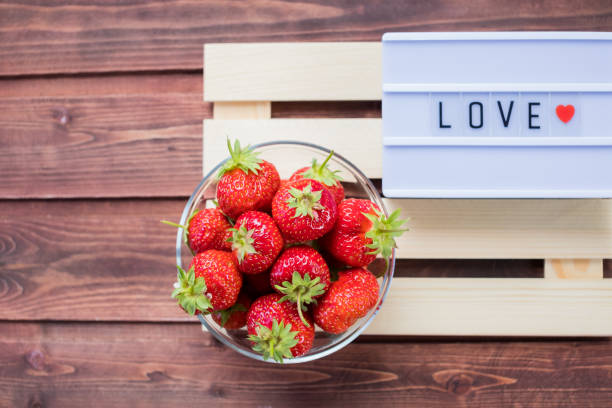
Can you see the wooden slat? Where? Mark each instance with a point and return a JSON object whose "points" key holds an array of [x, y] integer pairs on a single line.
{"points": [[112, 36], [526, 229], [94, 85], [101, 146], [293, 71], [88, 260], [573, 269], [346, 136], [171, 365], [499, 307], [439, 228]]}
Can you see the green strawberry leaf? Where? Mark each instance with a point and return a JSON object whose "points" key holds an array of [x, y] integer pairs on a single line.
{"points": [[301, 291], [190, 292], [242, 241], [383, 232], [305, 201], [244, 159], [322, 173], [275, 342]]}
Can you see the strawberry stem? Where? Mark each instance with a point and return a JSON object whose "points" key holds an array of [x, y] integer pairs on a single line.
{"points": [[301, 291], [173, 224], [329, 156], [299, 308]]}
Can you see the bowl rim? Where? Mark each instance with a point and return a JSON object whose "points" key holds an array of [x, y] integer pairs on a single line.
{"points": [[387, 277]]}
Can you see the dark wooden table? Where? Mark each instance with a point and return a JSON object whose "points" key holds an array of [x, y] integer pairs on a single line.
{"points": [[100, 137]]}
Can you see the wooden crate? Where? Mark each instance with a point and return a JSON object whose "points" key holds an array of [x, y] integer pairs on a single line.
{"points": [[572, 236]]}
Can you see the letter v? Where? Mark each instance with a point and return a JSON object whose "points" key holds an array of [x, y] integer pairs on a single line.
{"points": [[505, 119]]}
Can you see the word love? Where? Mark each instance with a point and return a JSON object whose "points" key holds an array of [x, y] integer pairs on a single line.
{"points": [[506, 112]]}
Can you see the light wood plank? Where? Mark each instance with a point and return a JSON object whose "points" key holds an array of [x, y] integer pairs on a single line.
{"points": [[293, 71], [573, 269], [242, 110], [529, 229], [346, 136], [495, 307]]}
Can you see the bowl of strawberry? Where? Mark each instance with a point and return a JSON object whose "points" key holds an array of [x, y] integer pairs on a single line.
{"points": [[285, 251]]}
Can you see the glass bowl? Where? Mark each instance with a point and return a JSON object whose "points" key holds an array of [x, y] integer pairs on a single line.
{"points": [[288, 157]]}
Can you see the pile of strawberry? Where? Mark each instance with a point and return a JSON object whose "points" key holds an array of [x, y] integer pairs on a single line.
{"points": [[261, 258]]}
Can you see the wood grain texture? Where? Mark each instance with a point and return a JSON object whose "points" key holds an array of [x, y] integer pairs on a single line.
{"points": [[500, 228], [39, 37], [138, 145], [341, 71], [101, 84], [116, 365], [88, 260], [496, 307]]}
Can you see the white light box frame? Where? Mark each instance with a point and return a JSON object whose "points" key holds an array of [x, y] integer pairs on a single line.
{"points": [[497, 115]]}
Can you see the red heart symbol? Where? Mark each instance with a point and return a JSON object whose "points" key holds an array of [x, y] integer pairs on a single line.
{"points": [[565, 113]]}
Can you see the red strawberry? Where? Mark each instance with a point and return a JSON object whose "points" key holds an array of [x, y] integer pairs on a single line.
{"points": [[277, 330], [321, 173], [235, 316], [246, 182], [206, 229], [302, 275], [304, 210], [256, 242], [361, 232], [212, 283], [348, 299]]}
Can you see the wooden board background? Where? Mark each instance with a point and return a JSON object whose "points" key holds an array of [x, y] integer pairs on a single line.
{"points": [[100, 121]]}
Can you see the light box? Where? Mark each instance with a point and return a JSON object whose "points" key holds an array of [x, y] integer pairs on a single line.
{"points": [[512, 114]]}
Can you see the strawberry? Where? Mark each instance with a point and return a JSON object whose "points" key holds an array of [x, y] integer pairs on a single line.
{"points": [[304, 210], [212, 283], [361, 232], [302, 275], [206, 229], [246, 182], [256, 242], [348, 299], [235, 316], [283, 183], [277, 330], [321, 173]]}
